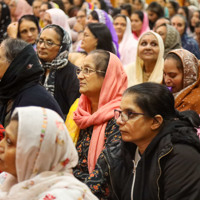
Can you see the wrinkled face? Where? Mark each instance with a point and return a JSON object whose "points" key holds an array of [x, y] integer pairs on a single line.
{"points": [[173, 77], [47, 19], [45, 52], [96, 4], [90, 85], [148, 49], [136, 23], [43, 8], [8, 149], [36, 8], [152, 16], [137, 5], [197, 33], [67, 5], [89, 42], [81, 17], [138, 128], [4, 64], [28, 31], [195, 18], [179, 24], [162, 31], [120, 26], [91, 20]]}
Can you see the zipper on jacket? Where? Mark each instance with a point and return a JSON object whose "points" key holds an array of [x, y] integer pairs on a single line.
{"points": [[110, 176], [161, 170]]}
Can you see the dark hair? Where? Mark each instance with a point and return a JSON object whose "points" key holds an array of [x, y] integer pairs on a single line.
{"points": [[60, 4], [31, 18], [103, 35], [127, 7], [175, 5], [103, 5], [48, 5], [156, 8], [119, 15], [190, 24], [186, 10], [140, 1], [140, 14], [94, 15], [101, 60], [156, 99], [177, 58], [13, 47], [197, 25]]}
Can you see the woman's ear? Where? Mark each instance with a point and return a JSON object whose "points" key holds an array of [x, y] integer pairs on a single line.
{"points": [[157, 122]]}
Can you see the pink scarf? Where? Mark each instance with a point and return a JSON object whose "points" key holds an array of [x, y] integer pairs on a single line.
{"points": [[115, 83]]}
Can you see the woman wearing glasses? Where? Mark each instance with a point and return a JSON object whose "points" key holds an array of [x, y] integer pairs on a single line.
{"points": [[102, 82], [159, 157], [60, 75]]}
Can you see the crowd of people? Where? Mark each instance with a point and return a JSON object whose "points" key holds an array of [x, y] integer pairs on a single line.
{"points": [[99, 99]]}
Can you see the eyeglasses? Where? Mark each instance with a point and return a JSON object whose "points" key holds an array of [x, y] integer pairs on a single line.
{"points": [[125, 115], [87, 71], [47, 43]]}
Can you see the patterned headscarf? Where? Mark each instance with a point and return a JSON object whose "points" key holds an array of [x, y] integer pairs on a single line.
{"points": [[4, 19], [45, 156], [190, 66]]}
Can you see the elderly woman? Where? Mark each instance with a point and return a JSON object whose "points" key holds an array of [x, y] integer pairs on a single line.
{"points": [[170, 36], [102, 82], [28, 29], [181, 74], [159, 157], [188, 43], [59, 79], [20, 75], [149, 60], [40, 156], [127, 44]]}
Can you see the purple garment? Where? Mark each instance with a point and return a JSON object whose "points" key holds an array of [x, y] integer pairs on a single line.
{"points": [[105, 19]]}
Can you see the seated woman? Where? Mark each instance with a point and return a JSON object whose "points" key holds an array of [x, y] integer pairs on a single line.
{"points": [[60, 78], [159, 157], [37, 162], [95, 36], [181, 74], [149, 60], [20, 76], [127, 44], [139, 23], [101, 16], [28, 29], [170, 36], [102, 82], [188, 43]]}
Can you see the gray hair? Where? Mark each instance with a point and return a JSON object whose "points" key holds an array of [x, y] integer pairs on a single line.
{"points": [[13, 47]]}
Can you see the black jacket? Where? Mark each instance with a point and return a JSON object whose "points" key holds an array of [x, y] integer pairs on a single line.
{"points": [[20, 84], [169, 168]]}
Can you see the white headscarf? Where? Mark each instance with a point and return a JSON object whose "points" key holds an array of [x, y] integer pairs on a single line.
{"points": [[135, 70], [128, 45], [45, 156]]}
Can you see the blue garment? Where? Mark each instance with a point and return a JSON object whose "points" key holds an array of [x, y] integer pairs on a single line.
{"points": [[190, 44]]}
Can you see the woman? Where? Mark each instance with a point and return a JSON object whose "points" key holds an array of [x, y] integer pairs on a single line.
{"points": [[139, 23], [173, 7], [102, 82], [58, 17], [28, 29], [170, 36], [127, 44], [18, 8], [20, 80], [154, 11], [101, 16], [40, 156], [181, 73], [188, 43], [194, 19], [149, 60], [59, 79], [159, 157], [44, 6], [4, 19]]}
